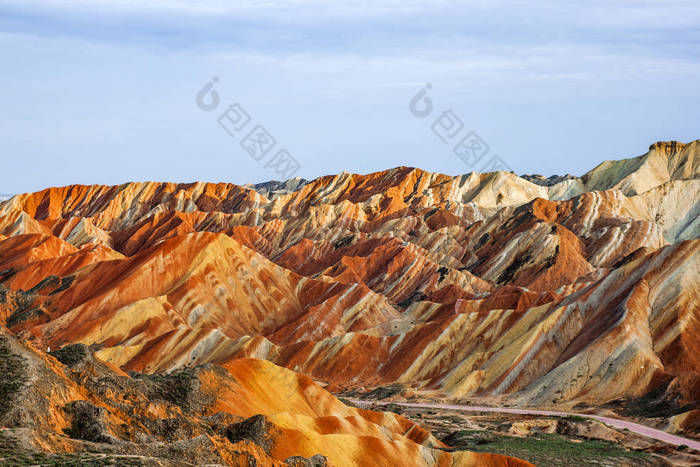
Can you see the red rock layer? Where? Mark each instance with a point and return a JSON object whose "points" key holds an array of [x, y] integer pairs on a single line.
{"points": [[585, 290], [250, 413]]}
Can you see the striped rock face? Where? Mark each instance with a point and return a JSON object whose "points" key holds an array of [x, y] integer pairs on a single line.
{"points": [[251, 412], [550, 291]]}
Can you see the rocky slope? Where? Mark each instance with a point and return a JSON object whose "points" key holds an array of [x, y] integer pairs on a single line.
{"points": [[251, 412], [563, 291]]}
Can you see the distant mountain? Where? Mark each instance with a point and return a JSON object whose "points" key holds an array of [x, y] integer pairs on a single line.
{"points": [[548, 292], [276, 188]]}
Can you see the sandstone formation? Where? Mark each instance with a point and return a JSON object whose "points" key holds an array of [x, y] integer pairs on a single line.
{"points": [[250, 413], [550, 291]]}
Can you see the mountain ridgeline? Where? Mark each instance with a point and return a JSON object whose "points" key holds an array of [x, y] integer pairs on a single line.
{"points": [[544, 291]]}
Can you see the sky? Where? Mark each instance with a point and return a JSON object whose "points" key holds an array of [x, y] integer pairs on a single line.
{"points": [[107, 91]]}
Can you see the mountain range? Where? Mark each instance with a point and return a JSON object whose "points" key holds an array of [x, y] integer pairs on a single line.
{"points": [[562, 292]]}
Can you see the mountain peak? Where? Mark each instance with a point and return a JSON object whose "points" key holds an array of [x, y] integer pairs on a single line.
{"points": [[667, 147]]}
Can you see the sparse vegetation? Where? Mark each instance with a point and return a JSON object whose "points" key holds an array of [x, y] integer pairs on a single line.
{"points": [[383, 392], [482, 240], [70, 355], [314, 461], [65, 283], [347, 402], [416, 296], [660, 402], [6, 274], [87, 422], [21, 316], [177, 388], [256, 429], [549, 450], [345, 241], [21, 304], [575, 418], [509, 273], [395, 408], [14, 375], [49, 281], [13, 455]]}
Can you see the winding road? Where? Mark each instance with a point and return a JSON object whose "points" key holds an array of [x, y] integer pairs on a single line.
{"points": [[614, 422]]}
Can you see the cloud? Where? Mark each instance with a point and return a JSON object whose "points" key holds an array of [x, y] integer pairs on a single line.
{"points": [[91, 82], [381, 26]]}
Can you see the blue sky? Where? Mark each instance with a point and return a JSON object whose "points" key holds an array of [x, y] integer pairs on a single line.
{"points": [[104, 91]]}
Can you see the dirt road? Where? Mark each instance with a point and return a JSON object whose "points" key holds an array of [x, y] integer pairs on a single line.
{"points": [[614, 422]]}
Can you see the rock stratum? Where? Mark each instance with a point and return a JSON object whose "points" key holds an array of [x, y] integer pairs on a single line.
{"points": [[248, 413], [546, 291]]}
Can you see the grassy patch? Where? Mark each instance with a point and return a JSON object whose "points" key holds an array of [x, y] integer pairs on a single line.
{"points": [[549, 450]]}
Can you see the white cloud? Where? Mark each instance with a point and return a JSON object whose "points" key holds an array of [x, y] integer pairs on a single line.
{"points": [[88, 83]]}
